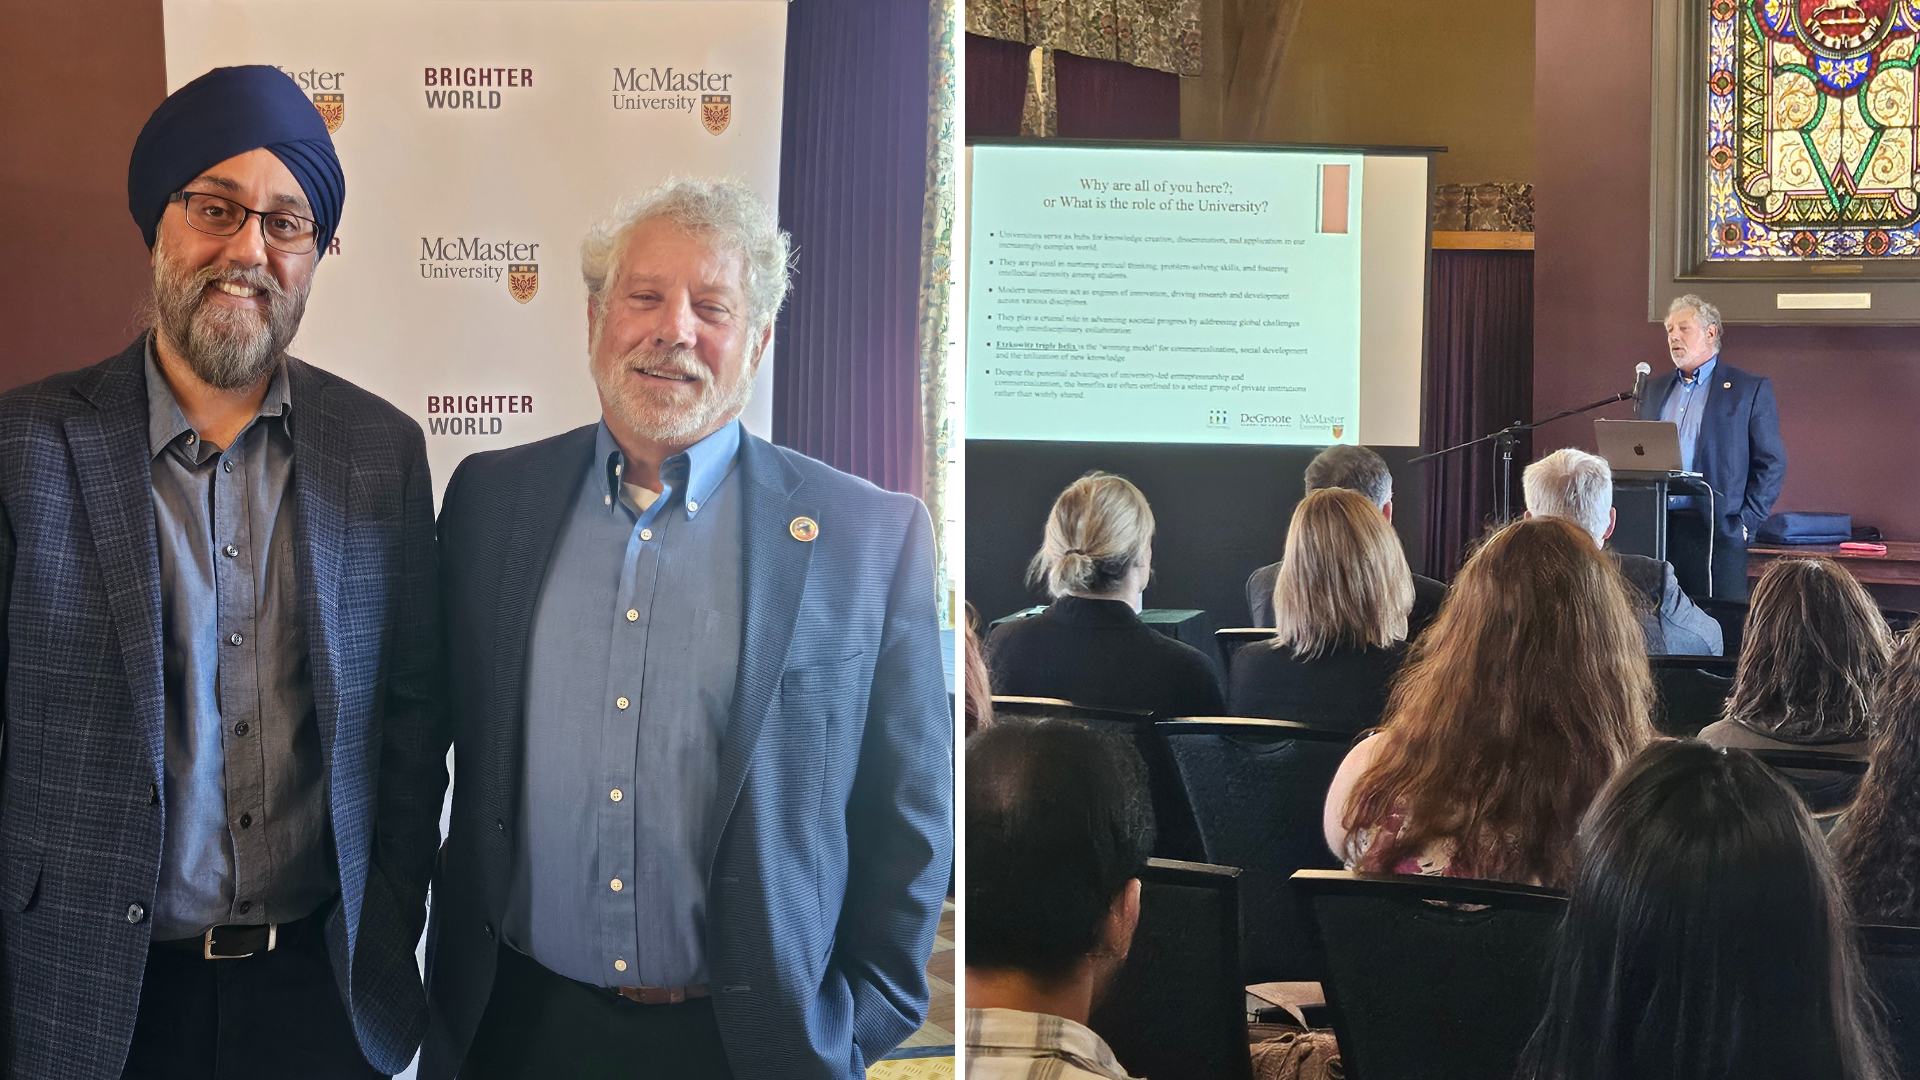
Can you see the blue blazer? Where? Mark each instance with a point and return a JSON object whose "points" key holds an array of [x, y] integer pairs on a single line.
{"points": [[836, 774], [81, 817], [1739, 452]]}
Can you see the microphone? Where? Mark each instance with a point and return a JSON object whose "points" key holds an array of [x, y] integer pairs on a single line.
{"points": [[1640, 373]]}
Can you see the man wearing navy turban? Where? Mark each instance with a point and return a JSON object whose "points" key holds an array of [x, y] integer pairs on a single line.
{"points": [[220, 655]]}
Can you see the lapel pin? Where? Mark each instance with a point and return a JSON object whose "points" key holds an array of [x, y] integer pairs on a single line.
{"points": [[1726, 386], [804, 529]]}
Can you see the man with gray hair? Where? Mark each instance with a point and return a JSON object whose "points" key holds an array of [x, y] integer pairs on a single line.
{"points": [[1730, 434], [1352, 468], [1577, 486], [703, 820]]}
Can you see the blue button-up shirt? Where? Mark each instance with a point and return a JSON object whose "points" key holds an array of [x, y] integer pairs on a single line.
{"points": [[245, 791], [635, 650], [1686, 406]]}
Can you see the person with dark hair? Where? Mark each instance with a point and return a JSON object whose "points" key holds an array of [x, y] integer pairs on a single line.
{"points": [[1527, 693], [1707, 936], [1813, 652], [1059, 827], [1349, 468], [1090, 646], [1876, 845]]}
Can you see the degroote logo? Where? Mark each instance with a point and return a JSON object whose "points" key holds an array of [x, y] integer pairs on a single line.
{"points": [[715, 111], [523, 280]]}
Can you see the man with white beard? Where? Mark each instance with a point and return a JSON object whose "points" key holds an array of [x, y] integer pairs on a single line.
{"points": [[220, 658], [703, 818]]}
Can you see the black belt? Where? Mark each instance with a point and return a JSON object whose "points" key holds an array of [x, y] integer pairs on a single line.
{"points": [[232, 942]]}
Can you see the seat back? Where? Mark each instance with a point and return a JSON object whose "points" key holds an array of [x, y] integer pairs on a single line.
{"points": [[1826, 781], [1258, 789], [1899, 620], [1690, 692], [1177, 1010], [1892, 958], [1430, 976], [1231, 638], [1176, 837], [1732, 617]]}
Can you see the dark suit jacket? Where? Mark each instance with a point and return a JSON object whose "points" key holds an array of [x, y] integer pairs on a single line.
{"points": [[1670, 620], [1345, 689], [1428, 595], [80, 676], [836, 773], [1739, 453], [1098, 652]]}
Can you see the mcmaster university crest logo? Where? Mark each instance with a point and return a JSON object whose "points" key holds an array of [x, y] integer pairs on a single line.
{"points": [[715, 111], [333, 109], [523, 280]]}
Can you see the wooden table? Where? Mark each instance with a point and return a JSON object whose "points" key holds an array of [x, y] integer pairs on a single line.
{"points": [[1899, 566]]}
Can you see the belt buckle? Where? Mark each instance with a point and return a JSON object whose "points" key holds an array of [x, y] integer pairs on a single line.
{"points": [[206, 949]]}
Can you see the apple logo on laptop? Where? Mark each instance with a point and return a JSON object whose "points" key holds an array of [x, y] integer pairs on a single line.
{"points": [[1639, 450]]}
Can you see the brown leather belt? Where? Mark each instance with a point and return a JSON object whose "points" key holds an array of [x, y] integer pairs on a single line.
{"points": [[660, 995]]}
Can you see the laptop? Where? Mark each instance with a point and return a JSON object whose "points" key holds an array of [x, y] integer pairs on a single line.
{"points": [[1639, 445]]}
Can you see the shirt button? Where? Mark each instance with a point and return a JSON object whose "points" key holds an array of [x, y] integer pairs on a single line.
{"points": [[192, 438], [246, 820], [608, 499], [234, 639], [620, 703], [246, 906], [226, 466], [135, 913], [230, 551], [488, 928], [500, 825], [646, 534], [616, 796], [242, 728], [619, 965], [692, 506], [633, 615], [618, 885]]}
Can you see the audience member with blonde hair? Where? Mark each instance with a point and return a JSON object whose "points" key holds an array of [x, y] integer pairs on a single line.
{"points": [[1576, 486], [1811, 659], [1511, 713], [1090, 646], [1340, 605]]}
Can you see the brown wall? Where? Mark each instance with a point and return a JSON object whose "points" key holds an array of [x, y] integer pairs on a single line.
{"points": [[1849, 397], [1457, 74], [77, 80]]}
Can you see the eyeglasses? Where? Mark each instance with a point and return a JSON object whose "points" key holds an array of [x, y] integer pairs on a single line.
{"points": [[217, 216]]}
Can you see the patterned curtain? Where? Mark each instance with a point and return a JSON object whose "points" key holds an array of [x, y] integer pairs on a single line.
{"points": [[1162, 35], [936, 271]]}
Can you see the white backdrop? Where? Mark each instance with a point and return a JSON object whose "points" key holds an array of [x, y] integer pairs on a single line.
{"points": [[480, 138]]}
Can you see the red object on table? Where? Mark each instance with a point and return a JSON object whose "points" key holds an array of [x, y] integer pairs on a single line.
{"points": [[1853, 548]]}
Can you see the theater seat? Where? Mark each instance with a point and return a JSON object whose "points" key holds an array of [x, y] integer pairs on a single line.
{"points": [[1231, 638], [1257, 788], [1690, 692], [1892, 957], [1176, 837], [1825, 781], [1178, 1010], [1431, 977]]}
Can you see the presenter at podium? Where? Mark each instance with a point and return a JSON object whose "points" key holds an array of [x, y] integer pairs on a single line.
{"points": [[1730, 434]]}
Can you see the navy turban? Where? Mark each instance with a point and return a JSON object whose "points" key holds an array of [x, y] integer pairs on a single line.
{"points": [[225, 113]]}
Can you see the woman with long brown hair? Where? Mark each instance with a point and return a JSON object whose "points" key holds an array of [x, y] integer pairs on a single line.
{"points": [[1878, 848], [1811, 656], [1514, 709], [1341, 603]]}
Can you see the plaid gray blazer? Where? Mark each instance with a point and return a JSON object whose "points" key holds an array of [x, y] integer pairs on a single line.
{"points": [[80, 693], [836, 773]]}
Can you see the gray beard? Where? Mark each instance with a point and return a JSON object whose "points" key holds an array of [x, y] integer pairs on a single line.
{"points": [[226, 349], [653, 420]]}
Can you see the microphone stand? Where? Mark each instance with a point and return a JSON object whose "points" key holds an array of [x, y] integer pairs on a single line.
{"points": [[1504, 440]]}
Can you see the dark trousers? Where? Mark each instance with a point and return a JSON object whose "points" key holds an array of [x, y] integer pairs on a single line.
{"points": [[540, 1024], [275, 1014], [1687, 551]]}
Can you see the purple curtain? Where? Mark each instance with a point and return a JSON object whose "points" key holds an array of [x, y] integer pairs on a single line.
{"points": [[853, 166], [1479, 379], [1106, 99], [996, 85]]}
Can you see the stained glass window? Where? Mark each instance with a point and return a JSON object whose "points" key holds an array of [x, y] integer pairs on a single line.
{"points": [[1811, 130]]}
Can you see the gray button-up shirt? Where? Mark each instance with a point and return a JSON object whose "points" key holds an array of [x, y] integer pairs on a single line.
{"points": [[246, 807], [635, 650]]}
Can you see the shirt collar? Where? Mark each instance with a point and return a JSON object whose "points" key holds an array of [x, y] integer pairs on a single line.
{"points": [[1703, 373], [165, 421], [707, 462]]}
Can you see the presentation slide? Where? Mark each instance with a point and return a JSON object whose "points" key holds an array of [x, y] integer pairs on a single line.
{"points": [[1195, 295]]}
